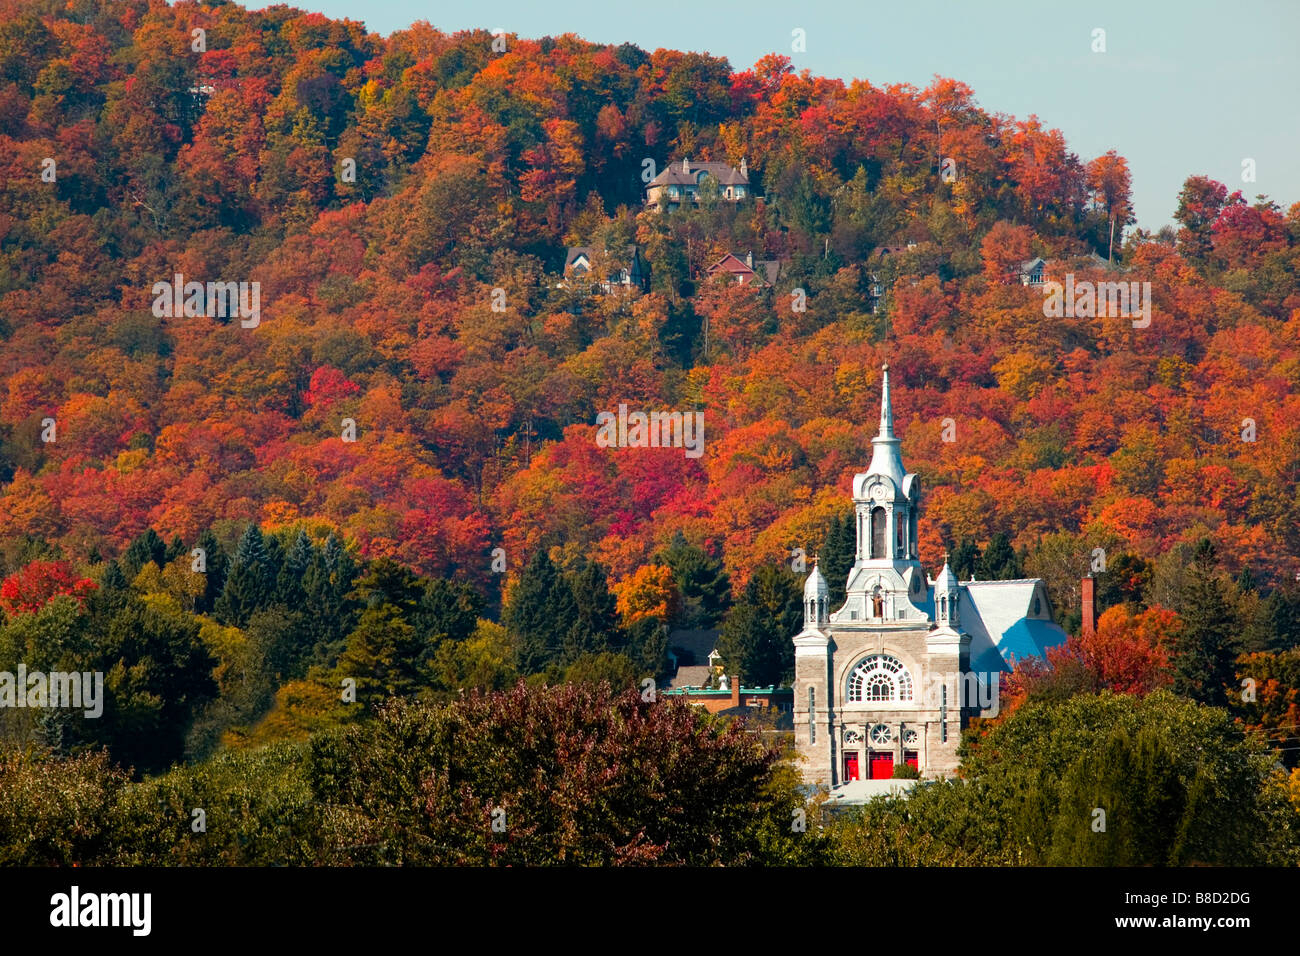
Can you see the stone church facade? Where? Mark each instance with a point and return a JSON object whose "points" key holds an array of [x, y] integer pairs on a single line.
{"points": [[895, 674]]}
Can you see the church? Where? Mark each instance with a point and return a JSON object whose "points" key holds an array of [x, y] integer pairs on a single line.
{"points": [[894, 675]]}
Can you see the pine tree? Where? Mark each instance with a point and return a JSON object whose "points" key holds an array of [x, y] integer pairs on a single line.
{"points": [[289, 583], [756, 638], [145, 548], [704, 584], [174, 550], [838, 556], [964, 559], [385, 581], [1203, 653], [328, 605], [595, 627], [540, 613], [999, 561], [250, 585], [217, 565], [447, 611], [383, 652]]}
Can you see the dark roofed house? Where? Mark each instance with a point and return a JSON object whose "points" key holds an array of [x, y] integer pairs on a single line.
{"points": [[577, 265], [681, 181], [1031, 271], [746, 271]]}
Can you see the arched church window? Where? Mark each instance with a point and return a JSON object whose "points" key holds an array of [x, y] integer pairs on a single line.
{"points": [[878, 548], [1038, 605], [880, 678], [900, 523]]}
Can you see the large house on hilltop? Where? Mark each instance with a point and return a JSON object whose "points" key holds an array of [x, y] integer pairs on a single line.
{"points": [[680, 183], [895, 674]]}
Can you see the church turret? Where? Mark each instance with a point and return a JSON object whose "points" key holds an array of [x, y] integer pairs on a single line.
{"points": [[816, 599], [947, 598]]}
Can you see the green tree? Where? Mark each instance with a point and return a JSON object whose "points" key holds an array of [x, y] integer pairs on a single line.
{"points": [[250, 584], [539, 615], [145, 548], [216, 564], [999, 561], [964, 559], [595, 629], [328, 604], [703, 582], [1202, 654], [157, 674], [838, 556], [1179, 784], [756, 638]]}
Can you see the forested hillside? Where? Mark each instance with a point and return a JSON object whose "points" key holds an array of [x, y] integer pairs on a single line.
{"points": [[422, 384]]}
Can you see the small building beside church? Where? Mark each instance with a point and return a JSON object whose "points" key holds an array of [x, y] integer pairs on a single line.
{"points": [[896, 674]]}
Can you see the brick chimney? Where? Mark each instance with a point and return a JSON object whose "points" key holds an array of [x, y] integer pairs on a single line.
{"points": [[1089, 606], [749, 259], [735, 691], [686, 165]]}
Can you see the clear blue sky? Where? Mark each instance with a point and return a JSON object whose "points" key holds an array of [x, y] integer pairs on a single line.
{"points": [[1183, 88]]}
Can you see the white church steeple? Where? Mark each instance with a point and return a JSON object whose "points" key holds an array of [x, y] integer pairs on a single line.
{"points": [[887, 583]]}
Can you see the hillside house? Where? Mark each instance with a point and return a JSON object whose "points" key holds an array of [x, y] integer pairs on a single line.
{"points": [[747, 271], [680, 183], [634, 274]]}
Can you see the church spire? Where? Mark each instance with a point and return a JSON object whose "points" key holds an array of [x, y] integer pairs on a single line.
{"points": [[885, 456], [886, 410]]}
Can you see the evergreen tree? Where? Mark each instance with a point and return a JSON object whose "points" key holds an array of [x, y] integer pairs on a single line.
{"points": [[383, 653], [756, 638], [595, 627], [385, 581], [274, 563], [447, 611], [837, 557], [103, 603], [964, 559], [1124, 581], [145, 548], [704, 584], [328, 606], [217, 565], [1203, 653], [647, 646], [999, 562], [250, 585], [540, 613], [289, 584], [174, 550]]}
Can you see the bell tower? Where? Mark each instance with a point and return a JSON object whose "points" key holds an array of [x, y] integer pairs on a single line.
{"points": [[887, 583]]}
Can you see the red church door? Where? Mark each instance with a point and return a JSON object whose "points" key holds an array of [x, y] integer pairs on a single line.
{"points": [[909, 758], [882, 766], [851, 766]]}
